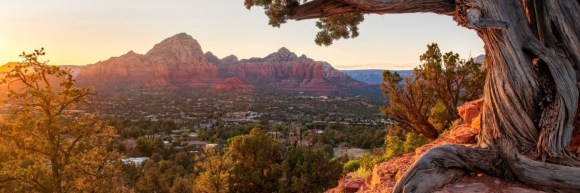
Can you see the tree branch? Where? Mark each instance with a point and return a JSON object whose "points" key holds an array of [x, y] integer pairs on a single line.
{"points": [[325, 8]]}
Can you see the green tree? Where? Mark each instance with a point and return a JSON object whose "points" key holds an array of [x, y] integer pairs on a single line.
{"points": [[442, 79], [256, 162], [304, 170], [45, 145]]}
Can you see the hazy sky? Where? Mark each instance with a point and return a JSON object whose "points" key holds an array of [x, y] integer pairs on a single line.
{"points": [[84, 32]]}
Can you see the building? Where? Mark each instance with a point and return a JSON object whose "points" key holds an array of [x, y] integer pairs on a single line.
{"points": [[134, 160]]}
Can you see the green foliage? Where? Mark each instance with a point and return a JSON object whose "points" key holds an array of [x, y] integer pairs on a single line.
{"points": [[336, 27], [161, 176], [256, 157], [413, 141], [427, 101], [353, 136], [257, 163], [368, 161], [351, 166], [393, 146], [220, 134], [439, 116], [329, 150], [305, 170]]}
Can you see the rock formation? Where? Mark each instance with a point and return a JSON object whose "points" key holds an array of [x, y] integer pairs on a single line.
{"points": [[284, 70], [233, 83], [385, 175], [178, 62]]}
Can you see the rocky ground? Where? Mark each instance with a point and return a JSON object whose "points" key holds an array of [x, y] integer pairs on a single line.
{"points": [[385, 175]]}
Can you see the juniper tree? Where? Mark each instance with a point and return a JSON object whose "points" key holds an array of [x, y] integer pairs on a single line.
{"points": [[530, 95]]}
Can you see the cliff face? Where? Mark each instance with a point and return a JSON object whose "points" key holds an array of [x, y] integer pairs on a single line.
{"points": [[284, 70], [178, 62]]}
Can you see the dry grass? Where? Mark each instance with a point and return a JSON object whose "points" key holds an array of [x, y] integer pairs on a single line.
{"points": [[360, 173]]}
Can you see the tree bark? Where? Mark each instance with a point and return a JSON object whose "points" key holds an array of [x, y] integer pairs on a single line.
{"points": [[325, 8], [530, 96]]}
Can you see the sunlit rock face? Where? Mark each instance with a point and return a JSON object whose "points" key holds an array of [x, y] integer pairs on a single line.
{"points": [[284, 70], [179, 62]]}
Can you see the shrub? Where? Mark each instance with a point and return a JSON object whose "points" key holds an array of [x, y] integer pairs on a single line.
{"points": [[413, 141], [439, 116], [351, 166], [393, 146]]}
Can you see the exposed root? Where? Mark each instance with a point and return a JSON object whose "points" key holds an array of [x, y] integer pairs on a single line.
{"points": [[442, 165], [445, 164], [540, 175]]}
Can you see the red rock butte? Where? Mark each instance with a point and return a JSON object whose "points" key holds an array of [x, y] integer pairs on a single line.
{"points": [[178, 62]]}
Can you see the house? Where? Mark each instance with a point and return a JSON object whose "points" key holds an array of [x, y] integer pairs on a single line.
{"points": [[134, 160]]}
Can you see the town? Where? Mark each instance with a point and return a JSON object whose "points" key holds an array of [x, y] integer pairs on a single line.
{"points": [[192, 121]]}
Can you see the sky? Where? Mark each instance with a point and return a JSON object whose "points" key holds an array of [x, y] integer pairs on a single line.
{"points": [[77, 32]]}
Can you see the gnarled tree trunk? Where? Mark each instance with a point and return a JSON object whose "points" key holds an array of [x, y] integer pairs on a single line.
{"points": [[531, 92]]}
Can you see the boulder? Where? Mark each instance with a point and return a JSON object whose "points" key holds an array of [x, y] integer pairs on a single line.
{"points": [[352, 185], [470, 110], [347, 185], [463, 134]]}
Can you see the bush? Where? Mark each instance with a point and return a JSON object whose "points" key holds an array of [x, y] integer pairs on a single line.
{"points": [[393, 146], [368, 161], [351, 166], [413, 141]]}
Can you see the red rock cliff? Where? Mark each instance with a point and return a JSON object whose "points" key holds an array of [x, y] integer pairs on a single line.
{"points": [[177, 61]]}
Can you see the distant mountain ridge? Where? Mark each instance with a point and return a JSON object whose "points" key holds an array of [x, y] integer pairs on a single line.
{"points": [[178, 62], [373, 76]]}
